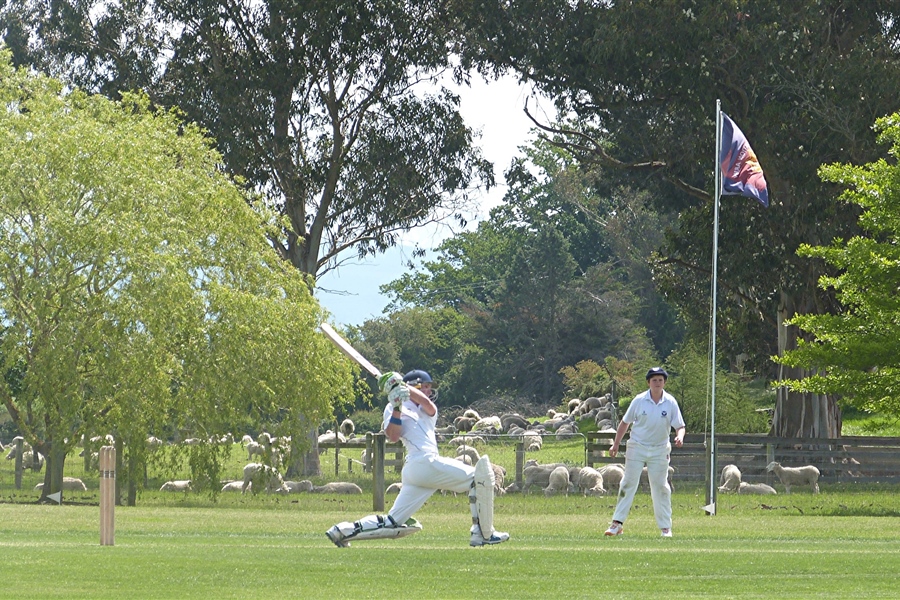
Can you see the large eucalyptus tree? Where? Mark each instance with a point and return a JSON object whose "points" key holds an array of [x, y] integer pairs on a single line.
{"points": [[640, 80]]}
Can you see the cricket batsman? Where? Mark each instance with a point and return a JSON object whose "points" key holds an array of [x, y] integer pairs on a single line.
{"points": [[410, 416]]}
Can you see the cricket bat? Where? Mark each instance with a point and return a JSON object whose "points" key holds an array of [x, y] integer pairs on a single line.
{"points": [[349, 350]]}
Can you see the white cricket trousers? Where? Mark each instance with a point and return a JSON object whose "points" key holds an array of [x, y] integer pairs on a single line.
{"points": [[422, 476], [656, 458]]}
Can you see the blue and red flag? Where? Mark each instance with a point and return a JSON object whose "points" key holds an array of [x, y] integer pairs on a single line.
{"points": [[741, 173]]}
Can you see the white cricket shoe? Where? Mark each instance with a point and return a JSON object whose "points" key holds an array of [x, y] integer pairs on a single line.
{"points": [[614, 529], [666, 532], [334, 534], [498, 537]]}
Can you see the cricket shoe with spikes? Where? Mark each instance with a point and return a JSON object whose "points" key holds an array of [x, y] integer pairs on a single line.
{"points": [[498, 537], [337, 537]]}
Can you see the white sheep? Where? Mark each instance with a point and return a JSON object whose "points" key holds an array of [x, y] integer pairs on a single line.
{"points": [[573, 405], [255, 449], [558, 481], [730, 479], [806, 475], [154, 442], [468, 451], [246, 439], [466, 440], [492, 423], [471, 413], [612, 475], [394, 488], [69, 484], [179, 485], [347, 427], [589, 481], [756, 488], [532, 441], [233, 486], [296, 487], [337, 487], [263, 477], [538, 475]]}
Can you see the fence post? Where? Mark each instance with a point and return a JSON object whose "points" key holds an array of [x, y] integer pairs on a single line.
{"points": [[337, 448], [378, 472], [20, 444], [520, 462], [107, 495]]}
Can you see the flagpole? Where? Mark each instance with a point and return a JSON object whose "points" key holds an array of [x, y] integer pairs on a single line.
{"points": [[711, 494]]}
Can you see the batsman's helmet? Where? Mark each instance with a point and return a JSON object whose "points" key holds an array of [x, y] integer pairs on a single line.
{"points": [[657, 371], [417, 377]]}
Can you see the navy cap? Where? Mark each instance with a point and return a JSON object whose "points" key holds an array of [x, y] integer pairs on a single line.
{"points": [[657, 371]]}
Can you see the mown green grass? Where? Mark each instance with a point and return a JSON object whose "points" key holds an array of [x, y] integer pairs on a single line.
{"points": [[841, 543]]}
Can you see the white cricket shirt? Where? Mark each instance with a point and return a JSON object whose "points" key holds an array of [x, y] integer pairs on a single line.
{"points": [[416, 429], [651, 422]]}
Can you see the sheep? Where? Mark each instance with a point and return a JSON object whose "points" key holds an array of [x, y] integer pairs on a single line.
{"points": [[466, 440], [612, 474], [296, 487], [806, 475], [255, 449], [69, 484], [566, 431], [755, 488], [730, 480], [538, 475], [337, 487], [589, 481], [487, 424], [265, 439], [468, 451], [191, 442], [246, 439], [509, 419], [347, 428], [532, 441], [233, 486], [463, 423], [558, 481], [573, 405], [179, 485], [154, 442], [499, 476], [394, 488], [329, 437], [471, 413], [263, 476]]}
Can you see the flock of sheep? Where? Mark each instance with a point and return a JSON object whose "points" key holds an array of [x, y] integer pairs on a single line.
{"points": [[730, 479], [463, 437]]}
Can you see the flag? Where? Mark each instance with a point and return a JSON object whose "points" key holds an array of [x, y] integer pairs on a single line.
{"points": [[741, 173]]}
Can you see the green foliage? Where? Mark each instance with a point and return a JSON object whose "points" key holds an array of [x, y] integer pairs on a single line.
{"points": [[310, 103], [854, 353], [737, 399], [139, 293]]}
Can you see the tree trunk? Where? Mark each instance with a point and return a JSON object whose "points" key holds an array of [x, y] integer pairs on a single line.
{"points": [[800, 414], [55, 459]]}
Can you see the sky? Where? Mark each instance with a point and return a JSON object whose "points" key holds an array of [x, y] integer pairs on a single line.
{"points": [[351, 292]]}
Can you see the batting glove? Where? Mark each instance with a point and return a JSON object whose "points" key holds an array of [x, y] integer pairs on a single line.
{"points": [[389, 381], [398, 396]]}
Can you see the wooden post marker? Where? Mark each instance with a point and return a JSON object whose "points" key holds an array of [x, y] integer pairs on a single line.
{"points": [[107, 495]]}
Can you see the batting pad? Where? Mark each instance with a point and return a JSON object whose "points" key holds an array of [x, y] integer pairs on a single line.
{"points": [[484, 495], [382, 533]]}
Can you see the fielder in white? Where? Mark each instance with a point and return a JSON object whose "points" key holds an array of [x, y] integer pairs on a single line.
{"points": [[410, 416], [651, 415]]}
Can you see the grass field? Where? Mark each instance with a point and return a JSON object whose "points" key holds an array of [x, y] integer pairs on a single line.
{"points": [[842, 543], [798, 546]]}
